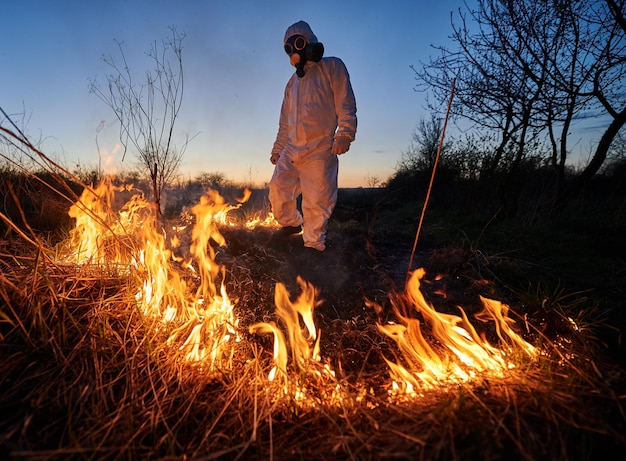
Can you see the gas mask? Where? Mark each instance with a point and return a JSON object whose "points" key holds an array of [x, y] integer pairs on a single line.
{"points": [[299, 52]]}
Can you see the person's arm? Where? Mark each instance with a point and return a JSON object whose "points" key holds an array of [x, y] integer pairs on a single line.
{"points": [[283, 130], [345, 107]]}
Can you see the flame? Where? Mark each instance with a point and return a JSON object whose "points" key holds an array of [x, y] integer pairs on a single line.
{"points": [[97, 235], [185, 297], [224, 217], [280, 348], [304, 341], [304, 344], [201, 320], [256, 221], [461, 353]]}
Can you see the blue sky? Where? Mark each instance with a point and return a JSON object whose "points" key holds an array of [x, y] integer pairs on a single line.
{"points": [[235, 74]]}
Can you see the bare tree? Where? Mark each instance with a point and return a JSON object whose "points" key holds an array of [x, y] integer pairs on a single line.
{"points": [[528, 69], [373, 181], [148, 110], [424, 145]]}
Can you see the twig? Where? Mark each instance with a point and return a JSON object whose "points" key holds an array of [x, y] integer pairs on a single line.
{"points": [[432, 178]]}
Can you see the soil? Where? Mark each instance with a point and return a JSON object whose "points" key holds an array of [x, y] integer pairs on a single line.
{"points": [[357, 278]]}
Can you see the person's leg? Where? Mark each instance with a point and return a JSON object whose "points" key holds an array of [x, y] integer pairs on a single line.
{"points": [[284, 189], [319, 196]]}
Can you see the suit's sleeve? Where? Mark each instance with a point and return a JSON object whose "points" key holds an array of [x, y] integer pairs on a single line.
{"points": [[345, 102], [283, 125]]}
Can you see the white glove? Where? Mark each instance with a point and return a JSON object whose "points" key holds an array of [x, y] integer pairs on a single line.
{"points": [[341, 145]]}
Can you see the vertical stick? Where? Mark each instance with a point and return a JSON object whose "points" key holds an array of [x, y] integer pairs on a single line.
{"points": [[432, 178]]}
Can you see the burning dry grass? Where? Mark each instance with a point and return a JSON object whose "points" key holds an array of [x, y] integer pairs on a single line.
{"points": [[231, 351]]}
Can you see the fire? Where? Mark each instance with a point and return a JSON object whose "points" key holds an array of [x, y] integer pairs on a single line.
{"points": [[304, 344], [184, 296], [98, 237], [224, 217], [304, 340], [461, 354], [188, 300]]}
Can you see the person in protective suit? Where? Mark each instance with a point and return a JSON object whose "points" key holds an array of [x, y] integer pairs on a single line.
{"points": [[317, 123]]}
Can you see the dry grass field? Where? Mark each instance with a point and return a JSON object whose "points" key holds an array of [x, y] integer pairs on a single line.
{"points": [[200, 339]]}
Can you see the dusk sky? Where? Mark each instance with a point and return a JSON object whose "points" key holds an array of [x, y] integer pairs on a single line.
{"points": [[235, 73]]}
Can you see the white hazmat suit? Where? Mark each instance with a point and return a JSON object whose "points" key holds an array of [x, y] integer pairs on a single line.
{"points": [[317, 108]]}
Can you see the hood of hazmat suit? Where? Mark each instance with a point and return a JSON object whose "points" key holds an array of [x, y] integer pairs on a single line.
{"points": [[309, 49], [300, 28]]}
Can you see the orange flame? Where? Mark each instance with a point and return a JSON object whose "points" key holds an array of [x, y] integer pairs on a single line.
{"points": [[304, 343], [96, 237], [202, 322], [224, 218], [184, 298], [462, 353]]}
